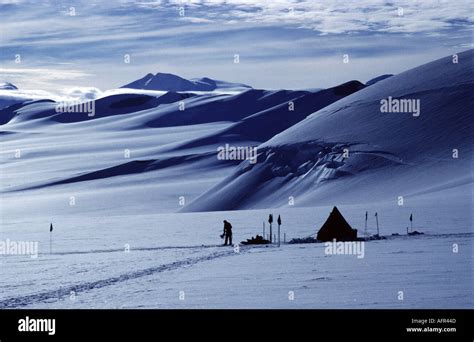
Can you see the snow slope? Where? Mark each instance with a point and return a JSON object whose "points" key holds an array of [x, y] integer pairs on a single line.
{"points": [[378, 79], [346, 152], [264, 124], [86, 156]]}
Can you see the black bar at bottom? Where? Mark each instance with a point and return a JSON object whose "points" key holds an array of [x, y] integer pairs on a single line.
{"points": [[442, 325]]}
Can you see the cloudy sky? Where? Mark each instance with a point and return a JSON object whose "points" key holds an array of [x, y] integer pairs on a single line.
{"points": [[281, 44]]}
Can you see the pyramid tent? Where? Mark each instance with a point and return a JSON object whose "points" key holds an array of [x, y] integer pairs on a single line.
{"points": [[336, 227]]}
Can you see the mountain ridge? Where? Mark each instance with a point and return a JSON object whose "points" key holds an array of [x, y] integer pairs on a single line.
{"points": [[170, 82]]}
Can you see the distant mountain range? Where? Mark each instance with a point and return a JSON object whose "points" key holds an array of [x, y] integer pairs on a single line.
{"points": [[170, 82], [7, 86], [334, 145]]}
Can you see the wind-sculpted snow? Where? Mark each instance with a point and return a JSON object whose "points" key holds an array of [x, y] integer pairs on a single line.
{"points": [[125, 169], [351, 149], [290, 170], [168, 110], [264, 124], [103, 107], [214, 108]]}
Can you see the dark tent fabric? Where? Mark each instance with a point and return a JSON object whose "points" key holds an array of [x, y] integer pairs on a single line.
{"points": [[336, 227]]}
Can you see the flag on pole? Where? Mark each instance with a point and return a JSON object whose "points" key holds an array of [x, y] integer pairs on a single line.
{"points": [[411, 217], [279, 223], [51, 238], [270, 220], [366, 213], [376, 214]]}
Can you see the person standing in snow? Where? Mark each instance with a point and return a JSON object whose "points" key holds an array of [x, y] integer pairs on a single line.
{"points": [[227, 233]]}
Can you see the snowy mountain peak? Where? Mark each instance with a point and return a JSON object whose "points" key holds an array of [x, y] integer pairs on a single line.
{"points": [[170, 82], [7, 86], [167, 78]]}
